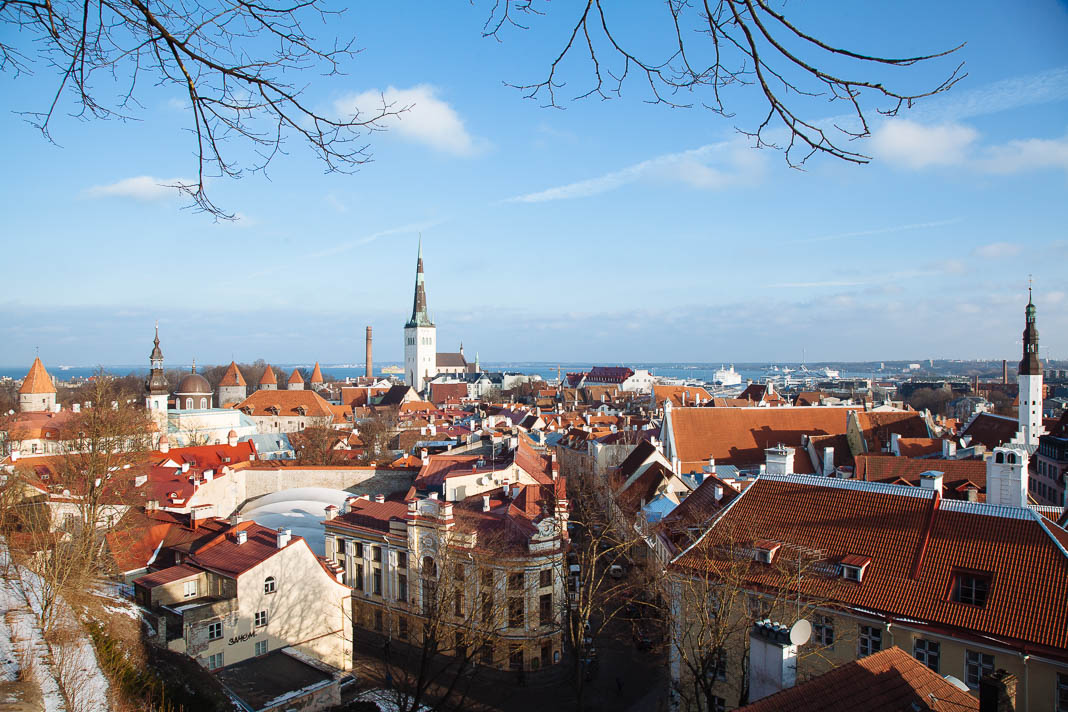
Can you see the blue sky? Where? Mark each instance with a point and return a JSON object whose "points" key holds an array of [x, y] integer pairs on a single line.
{"points": [[607, 231]]}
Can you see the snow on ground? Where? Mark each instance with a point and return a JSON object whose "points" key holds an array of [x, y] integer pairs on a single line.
{"points": [[299, 509], [86, 679]]}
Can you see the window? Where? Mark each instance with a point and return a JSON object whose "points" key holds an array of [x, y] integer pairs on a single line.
{"points": [[376, 554], [269, 585], [718, 704], [975, 666], [215, 630], [402, 628], [485, 654], [870, 641], [261, 647], [758, 607], [215, 661], [851, 573], [487, 577], [378, 620], [189, 404], [1062, 692], [357, 549], [458, 604], [261, 618], [376, 582], [339, 548], [203, 403], [402, 560], [357, 576], [487, 608], [823, 631], [545, 609], [189, 589], [545, 578], [515, 612], [515, 581], [971, 589], [926, 651], [402, 587], [515, 657]]}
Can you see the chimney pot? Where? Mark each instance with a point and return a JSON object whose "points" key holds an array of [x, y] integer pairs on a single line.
{"points": [[242, 537], [284, 535]]}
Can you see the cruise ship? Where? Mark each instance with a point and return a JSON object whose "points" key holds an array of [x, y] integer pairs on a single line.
{"points": [[727, 377]]}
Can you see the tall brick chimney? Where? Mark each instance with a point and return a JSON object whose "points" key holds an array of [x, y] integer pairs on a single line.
{"points": [[370, 370], [1004, 371]]}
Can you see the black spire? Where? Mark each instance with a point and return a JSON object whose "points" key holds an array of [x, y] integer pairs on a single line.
{"points": [[420, 316], [157, 382], [1030, 365]]}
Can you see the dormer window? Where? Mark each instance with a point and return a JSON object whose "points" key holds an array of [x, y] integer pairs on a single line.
{"points": [[764, 551], [971, 588], [853, 567]]}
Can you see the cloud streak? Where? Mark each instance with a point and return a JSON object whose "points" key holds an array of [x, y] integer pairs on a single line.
{"points": [[880, 231], [145, 189], [710, 167]]}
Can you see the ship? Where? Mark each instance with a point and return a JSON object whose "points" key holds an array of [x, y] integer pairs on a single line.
{"points": [[727, 377], [393, 370]]}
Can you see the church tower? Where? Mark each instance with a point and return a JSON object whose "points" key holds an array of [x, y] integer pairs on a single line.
{"points": [[420, 336], [1029, 379], [156, 389]]}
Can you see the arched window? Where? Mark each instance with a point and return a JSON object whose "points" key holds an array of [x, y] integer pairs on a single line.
{"points": [[430, 567], [1012, 458], [203, 402], [999, 458], [189, 404], [269, 585]]}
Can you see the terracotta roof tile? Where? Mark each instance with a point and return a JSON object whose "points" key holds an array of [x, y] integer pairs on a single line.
{"points": [[917, 544], [288, 403], [889, 681], [296, 377], [956, 474], [37, 380], [268, 378], [233, 376], [168, 575], [317, 374], [680, 395]]}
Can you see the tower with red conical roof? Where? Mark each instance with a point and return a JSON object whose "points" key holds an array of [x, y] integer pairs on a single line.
{"points": [[37, 394]]}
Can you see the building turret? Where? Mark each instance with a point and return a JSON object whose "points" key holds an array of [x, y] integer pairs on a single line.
{"points": [[156, 384], [232, 388], [296, 381], [37, 394], [1029, 380], [268, 382], [316, 377], [420, 335]]}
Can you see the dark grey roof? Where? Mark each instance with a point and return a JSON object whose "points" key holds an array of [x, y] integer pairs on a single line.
{"points": [[451, 360]]}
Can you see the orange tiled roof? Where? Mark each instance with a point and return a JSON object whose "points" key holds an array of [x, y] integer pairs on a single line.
{"points": [[888, 680], [680, 395], [887, 468], [739, 436], [296, 377], [233, 376], [317, 375], [37, 380], [287, 403], [268, 377], [916, 447], [917, 542]]}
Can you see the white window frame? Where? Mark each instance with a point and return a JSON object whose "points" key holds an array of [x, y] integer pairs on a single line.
{"points": [[973, 659], [869, 639], [215, 630], [215, 661], [922, 651], [189, 589], [261, 618], [270, 585], [261, 647]]}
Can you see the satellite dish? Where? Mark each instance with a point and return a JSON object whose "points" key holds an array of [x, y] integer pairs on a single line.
{"points": [[800, 632], [956, 682]]}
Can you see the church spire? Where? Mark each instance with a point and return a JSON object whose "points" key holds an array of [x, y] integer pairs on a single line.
{"points": [[1029, 364], [420, 315], [156, 384]]}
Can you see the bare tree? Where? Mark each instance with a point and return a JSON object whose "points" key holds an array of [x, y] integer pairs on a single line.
{"points": [[315, 445], [375, 432], [702, 50], [715, 608], [233, 63]]}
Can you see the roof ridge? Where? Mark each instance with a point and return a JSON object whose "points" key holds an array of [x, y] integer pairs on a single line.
{"points": [[1042, 523], [857, 485], [711, 525]]}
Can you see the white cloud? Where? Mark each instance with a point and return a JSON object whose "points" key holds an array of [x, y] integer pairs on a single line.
{"points": [[709, 167], [998, 250], [881, 230], [914, 145], [1026, 154], [426, 119], [142, 188]]}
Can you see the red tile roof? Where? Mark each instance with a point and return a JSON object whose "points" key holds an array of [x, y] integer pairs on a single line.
{"points": [[224, 555], [956, 474], [317, 374], [916, 447], [739, 436], [441, 392], [917, 543], [296, 377], [890, 681], [233, 376], [287, 403], [991, 430], [168, 575], [268, 377], [680, 395], [37, 380]]}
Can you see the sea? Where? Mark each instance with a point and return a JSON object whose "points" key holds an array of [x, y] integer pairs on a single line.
{"points": [[546, 370]]}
